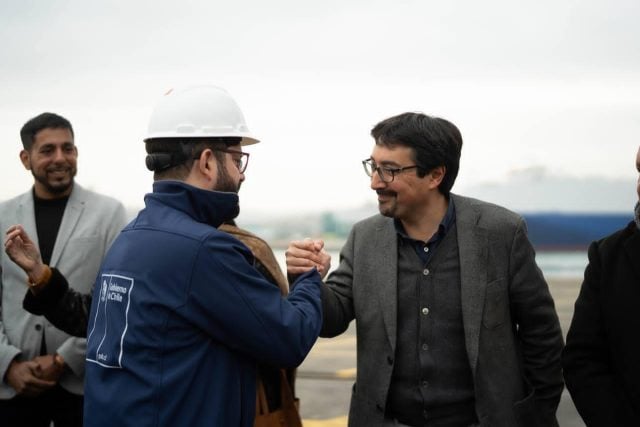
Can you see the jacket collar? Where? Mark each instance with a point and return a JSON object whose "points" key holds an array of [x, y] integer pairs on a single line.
{"points": [[473, 246], [209, 207]]}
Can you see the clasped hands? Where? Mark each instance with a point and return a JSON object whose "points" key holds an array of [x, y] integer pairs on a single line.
{"points": [[32, 377], [303, 255]]}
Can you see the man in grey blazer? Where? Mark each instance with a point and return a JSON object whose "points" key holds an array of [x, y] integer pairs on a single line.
{"points": [[42, 367], [455, 322]]}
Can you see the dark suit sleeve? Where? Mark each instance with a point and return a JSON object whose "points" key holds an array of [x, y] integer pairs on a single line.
{"points": [[538, 327], [67, 309], [337, 293], [586, 359]]}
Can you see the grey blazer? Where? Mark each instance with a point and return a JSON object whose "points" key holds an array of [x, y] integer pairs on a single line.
{"points": [[89, 225], [512, 333]]}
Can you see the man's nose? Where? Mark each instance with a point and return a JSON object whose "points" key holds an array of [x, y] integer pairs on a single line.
{"points": [[58, 155], [376, 182]]}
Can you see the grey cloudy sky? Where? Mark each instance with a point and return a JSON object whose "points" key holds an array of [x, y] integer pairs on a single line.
{"points": [[549, 85]]}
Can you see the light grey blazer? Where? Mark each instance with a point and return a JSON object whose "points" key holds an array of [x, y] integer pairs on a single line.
{"points": [[89, 225], [512, 333]]}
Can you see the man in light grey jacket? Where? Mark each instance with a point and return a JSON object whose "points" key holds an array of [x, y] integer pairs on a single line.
{"points": [[455, 323], [42, 367]]}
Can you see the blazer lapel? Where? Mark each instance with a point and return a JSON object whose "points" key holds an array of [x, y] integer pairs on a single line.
{"points": [[385, 254], [632, 248], [72, 213], [472, 244], [25, 215]]}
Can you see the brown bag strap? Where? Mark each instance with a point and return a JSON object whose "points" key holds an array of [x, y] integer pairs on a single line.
{"points": [[262, 252], [289, 404], [262, 407], [286, 395]]}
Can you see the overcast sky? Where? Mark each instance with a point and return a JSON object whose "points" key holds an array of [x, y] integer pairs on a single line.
{"points": [[549, 86]]}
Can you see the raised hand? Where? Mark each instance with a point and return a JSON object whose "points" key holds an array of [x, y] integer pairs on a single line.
{"points": [[23, 251]]}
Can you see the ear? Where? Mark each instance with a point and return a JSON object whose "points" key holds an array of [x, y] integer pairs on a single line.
{"points": [[206, 165], [436, 175], [24, 158], [204, 172]]}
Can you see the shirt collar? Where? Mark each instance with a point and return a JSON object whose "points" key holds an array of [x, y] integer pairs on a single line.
{"points": [[443, 228]]}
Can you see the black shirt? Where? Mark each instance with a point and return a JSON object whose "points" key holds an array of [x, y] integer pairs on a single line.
{"points": [[49, 214]]}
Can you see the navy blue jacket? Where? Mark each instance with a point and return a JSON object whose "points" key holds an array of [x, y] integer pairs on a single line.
{"points": [[180, 318]]}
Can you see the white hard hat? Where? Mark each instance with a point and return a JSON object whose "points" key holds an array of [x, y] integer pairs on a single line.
{"points": [[198, 112]]}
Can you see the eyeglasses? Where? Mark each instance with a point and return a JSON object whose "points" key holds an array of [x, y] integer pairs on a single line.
{"points": [[386, 174], [241, 163]]}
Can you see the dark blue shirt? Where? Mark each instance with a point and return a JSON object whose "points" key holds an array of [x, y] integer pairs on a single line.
{"points": [[426, 250]]}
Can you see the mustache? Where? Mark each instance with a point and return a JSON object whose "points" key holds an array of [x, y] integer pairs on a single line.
{"points": [[386, 193]]}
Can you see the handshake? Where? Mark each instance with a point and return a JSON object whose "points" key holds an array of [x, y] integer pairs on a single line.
{"points": [[303, 255]]}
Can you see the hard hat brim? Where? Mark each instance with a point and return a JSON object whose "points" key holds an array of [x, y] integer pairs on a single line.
{"points": [[246, 138]]}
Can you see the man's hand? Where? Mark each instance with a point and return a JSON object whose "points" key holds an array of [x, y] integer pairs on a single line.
{"points": [[51, 367], [303, 255], [24, 252], [23, 377]]}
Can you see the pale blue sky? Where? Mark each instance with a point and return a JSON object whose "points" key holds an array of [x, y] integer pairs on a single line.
{"points": [[549, 85]]}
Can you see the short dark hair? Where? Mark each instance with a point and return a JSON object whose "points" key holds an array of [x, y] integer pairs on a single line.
{"points": [[435, 142], [40, 122], [171, 158]]}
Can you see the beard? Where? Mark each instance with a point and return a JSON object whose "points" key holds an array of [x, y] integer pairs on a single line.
{"points": [[55, 186], [225, 182]]}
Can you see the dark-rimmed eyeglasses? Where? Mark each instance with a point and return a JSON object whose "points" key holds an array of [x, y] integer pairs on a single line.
{"points": [[385, 173], [241, 162]]}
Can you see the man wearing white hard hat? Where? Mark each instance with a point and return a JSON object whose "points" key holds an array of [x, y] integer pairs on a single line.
{"points": [[180, 317]]}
